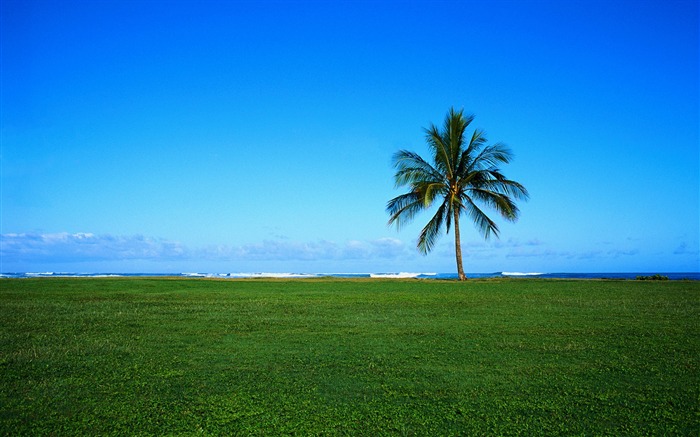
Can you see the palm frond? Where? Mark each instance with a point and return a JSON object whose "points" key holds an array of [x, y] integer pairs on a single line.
{"points": [[412, 168], [469, 153], [500, 184], [431, 232], [453, 134], [439, 149], [500, 202], [476, 142], [402, 209], [492, 179], [483, 223], [490, 157], [431, 190]]}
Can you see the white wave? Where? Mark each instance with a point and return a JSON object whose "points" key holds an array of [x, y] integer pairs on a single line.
{"points": [[271, 275], [521, 273], [199, 275], [400, 275], [288, 275], [40, 274]]}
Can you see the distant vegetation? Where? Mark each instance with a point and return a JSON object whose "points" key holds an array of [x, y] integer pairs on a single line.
{"points": [[462, 175], [143, 356], [656, 277]]}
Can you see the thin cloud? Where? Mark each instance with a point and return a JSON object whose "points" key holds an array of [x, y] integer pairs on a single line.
{"points": [[286, 250], [622, 252], [685, 249], [64, 246], [386, 248], [546, 253], [512, 247], [82, 247], [310, 251]]}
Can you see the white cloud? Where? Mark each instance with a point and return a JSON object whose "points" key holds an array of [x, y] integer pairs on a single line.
{"points": [[388, 247], [82, 247]]}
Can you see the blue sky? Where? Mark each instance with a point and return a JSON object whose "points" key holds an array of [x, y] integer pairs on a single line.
{"points": [[239, 136]]}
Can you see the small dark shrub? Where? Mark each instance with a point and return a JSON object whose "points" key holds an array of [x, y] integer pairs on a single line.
{"points": [[655, 277]]}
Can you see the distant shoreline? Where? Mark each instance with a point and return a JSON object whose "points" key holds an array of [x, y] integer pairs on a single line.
{"points": [[383, 275]]}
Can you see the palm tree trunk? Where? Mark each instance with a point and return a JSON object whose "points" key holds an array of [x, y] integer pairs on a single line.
{"points": [[458, 248]]}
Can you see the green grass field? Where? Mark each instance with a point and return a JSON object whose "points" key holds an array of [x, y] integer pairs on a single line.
{"points": [[142, 356]]}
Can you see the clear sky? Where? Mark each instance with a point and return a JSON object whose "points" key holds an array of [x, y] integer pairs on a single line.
{"points": [[239, 136]]}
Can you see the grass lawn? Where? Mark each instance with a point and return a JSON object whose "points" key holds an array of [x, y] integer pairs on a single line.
{"points": [[349, 357]]}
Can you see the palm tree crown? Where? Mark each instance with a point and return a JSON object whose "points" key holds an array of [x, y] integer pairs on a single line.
{"points": [[463, 175]]}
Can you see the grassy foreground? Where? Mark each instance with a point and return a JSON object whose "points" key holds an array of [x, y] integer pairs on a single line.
{"points": [[347, 357]]}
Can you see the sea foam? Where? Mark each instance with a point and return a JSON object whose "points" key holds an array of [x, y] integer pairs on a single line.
{"points": [[521, 274], [271, 275], [400, 275]]}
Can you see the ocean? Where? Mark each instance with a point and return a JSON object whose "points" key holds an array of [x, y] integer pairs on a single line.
{"points": [[418, 275]]}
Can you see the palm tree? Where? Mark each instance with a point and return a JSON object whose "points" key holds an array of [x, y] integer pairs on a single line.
{"points": [[463, 174]]}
